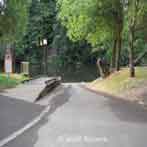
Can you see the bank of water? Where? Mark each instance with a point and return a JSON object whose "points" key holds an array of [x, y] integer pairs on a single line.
{"points": [[68, 74]]}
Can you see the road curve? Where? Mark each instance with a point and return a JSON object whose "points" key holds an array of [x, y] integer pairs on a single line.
{"points": [[80, 118]]}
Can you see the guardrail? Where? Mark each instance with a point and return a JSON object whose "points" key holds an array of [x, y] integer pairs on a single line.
{"points": [[51, 84]]}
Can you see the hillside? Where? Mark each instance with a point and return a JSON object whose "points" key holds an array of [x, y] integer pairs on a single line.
{"points": [[121, 85]]}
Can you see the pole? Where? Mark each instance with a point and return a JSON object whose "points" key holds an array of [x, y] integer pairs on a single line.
{"points": [[44, 71], [45, 60]]}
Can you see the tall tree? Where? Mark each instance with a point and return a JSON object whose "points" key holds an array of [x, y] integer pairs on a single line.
{"points": [[95, 21], [137, 12], [40, 22], [13, 19], [118, 16], [40, 26]]}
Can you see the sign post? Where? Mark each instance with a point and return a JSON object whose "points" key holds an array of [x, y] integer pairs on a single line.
{"points": [[8, 62]]}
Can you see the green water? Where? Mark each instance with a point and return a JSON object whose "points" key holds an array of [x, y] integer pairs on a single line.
{"points": [[80, 74]]}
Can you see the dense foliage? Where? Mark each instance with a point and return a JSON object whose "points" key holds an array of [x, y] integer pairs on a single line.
{"points": [[101, 20], [13, 19], [43, 24], [80, 31]]}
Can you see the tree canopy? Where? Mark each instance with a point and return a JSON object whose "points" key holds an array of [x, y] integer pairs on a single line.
{"points": [[90, 20], [13, 18], [77, 29]]}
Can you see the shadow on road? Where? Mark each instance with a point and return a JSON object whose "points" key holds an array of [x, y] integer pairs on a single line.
{"points": [[128, 111], [60, 99], [30, 137]]}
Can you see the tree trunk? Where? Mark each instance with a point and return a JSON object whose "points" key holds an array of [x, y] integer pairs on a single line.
{"points": [[131, 37], [101, 71], [103, 67], [45, 60], [119, 45], [113, 58], [13, 55], [131, 54]]}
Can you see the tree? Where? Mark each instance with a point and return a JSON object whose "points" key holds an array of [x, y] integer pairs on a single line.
{"points": [[13, 19], [40, 22], [40, 26], [69, 52], [95, 21], [137, 12], [118, 17]]}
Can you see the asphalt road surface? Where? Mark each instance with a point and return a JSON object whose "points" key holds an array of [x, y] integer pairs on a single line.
{"points": [[15, 114], [80, 118]]}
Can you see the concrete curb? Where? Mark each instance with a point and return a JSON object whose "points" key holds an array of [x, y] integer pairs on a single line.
{"points": [[99, 92], [25, 128], [31, 79], [111, 96]]}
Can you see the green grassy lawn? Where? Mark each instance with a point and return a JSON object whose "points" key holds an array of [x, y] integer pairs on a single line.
{"points": [[12, 81], [120, 83]]}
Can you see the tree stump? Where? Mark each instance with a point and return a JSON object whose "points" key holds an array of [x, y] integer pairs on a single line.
{"points": [[103, 68]]}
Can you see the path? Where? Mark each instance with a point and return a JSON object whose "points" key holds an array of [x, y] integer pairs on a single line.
{"points": [[28, 91], [15, 114], [80, 118]]}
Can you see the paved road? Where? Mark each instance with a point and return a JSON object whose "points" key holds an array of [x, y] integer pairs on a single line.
{"points": [[80, 118], [14, 114], [28, 91]]}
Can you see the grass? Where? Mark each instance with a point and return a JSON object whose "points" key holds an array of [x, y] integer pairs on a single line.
{"points": [[12, 81], [120, 82]]}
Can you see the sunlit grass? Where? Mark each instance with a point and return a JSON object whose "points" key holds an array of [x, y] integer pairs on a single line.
{"points": [[120, 81], [11, 81]]}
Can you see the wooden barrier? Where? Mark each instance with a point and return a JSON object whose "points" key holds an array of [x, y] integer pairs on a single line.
{"points": [[50, 86]]}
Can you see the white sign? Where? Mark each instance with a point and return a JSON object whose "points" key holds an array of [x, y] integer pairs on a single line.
{"points": [[8, 63]]}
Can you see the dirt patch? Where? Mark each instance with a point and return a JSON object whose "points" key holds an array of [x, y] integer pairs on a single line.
{"points": [[138, 93], [120, 85]]}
